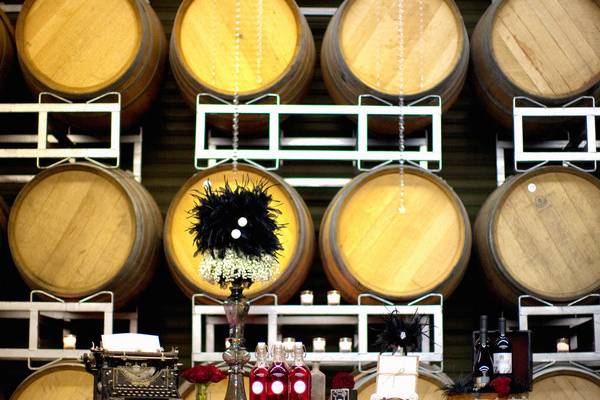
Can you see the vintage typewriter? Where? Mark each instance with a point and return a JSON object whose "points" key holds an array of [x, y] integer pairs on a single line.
{"points": [[133, 375]]}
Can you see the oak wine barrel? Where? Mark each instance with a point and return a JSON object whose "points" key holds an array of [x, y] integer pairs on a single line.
{"points": [[545, 50], [81, 49], [537, 234], [7, 51], [187, 391], [364, 237], [77, 229], [62, 381], [277, 54], [297, 235], [429, 385], [361, 49], [565, 382]]}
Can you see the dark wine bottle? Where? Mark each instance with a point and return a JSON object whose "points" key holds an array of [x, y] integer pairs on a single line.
{"points": [[483, 368], [502, 351]]}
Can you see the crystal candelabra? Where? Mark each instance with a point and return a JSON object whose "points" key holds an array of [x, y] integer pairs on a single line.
{"points": [[236, 309]]}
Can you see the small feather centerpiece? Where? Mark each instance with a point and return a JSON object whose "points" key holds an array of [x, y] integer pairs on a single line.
{"points": [[235, 229]]}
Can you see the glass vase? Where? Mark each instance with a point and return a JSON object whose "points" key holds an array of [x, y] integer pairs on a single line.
{"points": [[202, 391], [236, 310]]}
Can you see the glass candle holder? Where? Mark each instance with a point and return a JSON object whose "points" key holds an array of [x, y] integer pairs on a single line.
{"points": [[307, 298], [345, 345], [562, 345], [288, 344], [319, 344], [69, 342], [333, 298]]}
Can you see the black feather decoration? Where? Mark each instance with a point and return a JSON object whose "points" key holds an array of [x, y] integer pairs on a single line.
{"points": [[245, 208], [400, 332]]}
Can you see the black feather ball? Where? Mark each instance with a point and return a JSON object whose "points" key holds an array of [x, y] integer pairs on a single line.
{"points": [[400, 332], [240, 218]]}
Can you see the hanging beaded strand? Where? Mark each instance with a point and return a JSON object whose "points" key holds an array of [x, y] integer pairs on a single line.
{"points": [[236, 85], [401, 125]]}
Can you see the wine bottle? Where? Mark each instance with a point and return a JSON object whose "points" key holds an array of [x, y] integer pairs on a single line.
{"points": [[259, 374], [483, 367], [277, 379], [299, 375], [317, 383], [502, 352]]}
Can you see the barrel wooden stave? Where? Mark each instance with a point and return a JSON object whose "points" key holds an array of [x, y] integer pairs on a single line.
{"points": [[77, 229], [361, 238], [297, 236], [7, 51], [345, 83], [565, 382], [554, 257], [429, 385], [4, 211], [137, 69], [520, 50], [63, 381], [291, 82]]}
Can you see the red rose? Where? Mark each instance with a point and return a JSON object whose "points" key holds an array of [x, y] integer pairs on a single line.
{"points": [[202, 374], [343, 380], [501, 386], [217, 375]]}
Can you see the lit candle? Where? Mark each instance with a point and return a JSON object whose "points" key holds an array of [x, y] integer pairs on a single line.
{"points": [[319, 344], [288, 344], [345, 344], [333, 297], [562, 345], [306, 298], [69, 342]]}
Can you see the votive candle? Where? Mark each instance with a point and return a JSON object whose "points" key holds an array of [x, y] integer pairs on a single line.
{"points": [[306, 298], [333, 298]]}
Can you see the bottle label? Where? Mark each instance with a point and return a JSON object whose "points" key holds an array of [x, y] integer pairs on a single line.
{"points": [[299, 387], [277, 387], [257, 387], [503, 363]]}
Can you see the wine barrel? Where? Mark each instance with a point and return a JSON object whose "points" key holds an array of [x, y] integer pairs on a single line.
{"points": [[545, 50], [365, 237], [429, 385], [7, 51], [214, 391], [297, 235], [537, 234], [277, 54], [63, 381], [565, 382], [361, 49], [81, 49], [3, 224], [77, 229]]}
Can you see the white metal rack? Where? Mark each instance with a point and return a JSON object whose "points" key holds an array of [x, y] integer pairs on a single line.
{"points": [[359, 148], [57, 308], [274, 316], [573, 314], [542, 152], [101, 147]]}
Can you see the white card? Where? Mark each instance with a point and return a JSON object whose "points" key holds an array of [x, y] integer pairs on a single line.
{"points": [[131, 342]]}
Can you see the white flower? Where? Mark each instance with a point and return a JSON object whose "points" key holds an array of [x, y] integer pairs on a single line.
{"points": [[234, 266]]}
